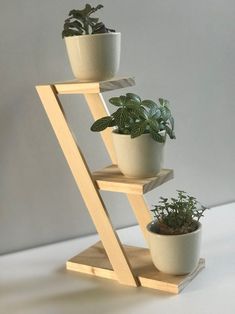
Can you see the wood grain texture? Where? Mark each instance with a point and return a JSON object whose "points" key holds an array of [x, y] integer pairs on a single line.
{"points": [[98, 110], [111, 179], [139, 206], [86, 185], [94, 261], [76, 87], [141, 211]]}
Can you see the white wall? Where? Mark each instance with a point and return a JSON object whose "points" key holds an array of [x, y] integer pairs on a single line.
{"points": [[181, 50]]}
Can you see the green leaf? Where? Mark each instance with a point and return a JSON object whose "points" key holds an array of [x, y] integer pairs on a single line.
{"points": [[99, 28], [116, 101], [70, 32], [157, 137], [121, 117], [138, 129], [172, 122], [134, 97], [161, 101], [74, 24], [155, 113], [154, 125], [170, 132], [166, 114], [92, 20], [101, 124], [149, 103], [123, 99]]}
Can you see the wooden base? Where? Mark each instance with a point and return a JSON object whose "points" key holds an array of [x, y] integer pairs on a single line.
{"points": [[94, 261]]}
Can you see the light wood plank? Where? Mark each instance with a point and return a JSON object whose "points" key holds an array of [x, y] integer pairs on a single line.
{"points": [[141, 211], [111, 179], [98, 110], [94, 261], [86, 185], [76, 87]]}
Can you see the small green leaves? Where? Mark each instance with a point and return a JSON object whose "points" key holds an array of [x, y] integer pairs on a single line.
{"points": [[79, 22], [101, 124], [178, 215], [136, 117]]}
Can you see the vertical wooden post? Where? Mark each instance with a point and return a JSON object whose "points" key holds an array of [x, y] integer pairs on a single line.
{"points": [[87, 186]]}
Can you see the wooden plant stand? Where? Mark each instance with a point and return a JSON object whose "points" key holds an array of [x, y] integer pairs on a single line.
{"points": [[109, 258]]}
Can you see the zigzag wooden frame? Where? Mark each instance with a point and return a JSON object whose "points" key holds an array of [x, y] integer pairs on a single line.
{"points": [[110, 259]]}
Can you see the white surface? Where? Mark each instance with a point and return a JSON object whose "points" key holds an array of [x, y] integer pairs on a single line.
{"points": [[36, 282]]}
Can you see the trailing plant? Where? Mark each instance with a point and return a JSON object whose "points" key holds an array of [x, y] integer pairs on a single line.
{"points": [[178, 215], [80, 22], [136, 117]]}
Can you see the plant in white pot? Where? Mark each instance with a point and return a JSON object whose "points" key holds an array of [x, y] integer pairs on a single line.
{"points": [[93, 49], [175, 234], [141, 128]]}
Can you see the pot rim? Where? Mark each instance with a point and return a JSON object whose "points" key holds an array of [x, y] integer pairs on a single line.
{"points": [[92, 35], [145, 134], [172, 235]]}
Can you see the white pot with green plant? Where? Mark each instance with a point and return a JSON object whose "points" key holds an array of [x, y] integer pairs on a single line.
{"points": [[93, 49], [175, 234], [139, 134]]}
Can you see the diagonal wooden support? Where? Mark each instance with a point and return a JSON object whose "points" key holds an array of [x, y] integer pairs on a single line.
{"points": [[129, 265], [98, 110], [87, 186]]}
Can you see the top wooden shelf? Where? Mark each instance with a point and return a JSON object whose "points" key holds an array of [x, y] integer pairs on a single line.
{"points": [[76, 87]]}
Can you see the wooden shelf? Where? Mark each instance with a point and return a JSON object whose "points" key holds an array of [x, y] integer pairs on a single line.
{"points": [[131, 266], [111, 179], [76, 87], [94, 261]]}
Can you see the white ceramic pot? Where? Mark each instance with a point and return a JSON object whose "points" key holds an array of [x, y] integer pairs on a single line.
{"points": [[174, 254], [138, 157], [94, 57]]}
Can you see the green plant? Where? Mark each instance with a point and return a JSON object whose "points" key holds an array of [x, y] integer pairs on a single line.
{"points": [[80, 22], [178, 215], [136, 117]]}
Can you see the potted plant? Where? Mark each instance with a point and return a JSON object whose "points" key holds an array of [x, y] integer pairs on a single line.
{"points": [[139, 136], [93, 49], [175, 234]]}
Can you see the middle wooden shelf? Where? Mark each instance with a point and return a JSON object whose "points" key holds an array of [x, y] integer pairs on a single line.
{"points": [[111, 179]]}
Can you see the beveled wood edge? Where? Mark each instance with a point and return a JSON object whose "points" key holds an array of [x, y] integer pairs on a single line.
{"points": [[152, 185], [191, 276], [76, 87], [144, 281], [134, 188]]}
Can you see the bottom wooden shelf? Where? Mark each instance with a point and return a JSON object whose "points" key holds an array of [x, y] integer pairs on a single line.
{"points": [[94, 261]]}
